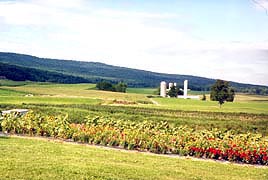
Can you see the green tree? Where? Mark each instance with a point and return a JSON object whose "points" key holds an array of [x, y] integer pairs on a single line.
{"points": [[173, 92], [231, 95], [204, 97], [121, 87], [221, 92], [105, 86]]}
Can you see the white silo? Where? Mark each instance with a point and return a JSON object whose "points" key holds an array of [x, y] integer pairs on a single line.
{"points": [[175, 84], [163, 89], [185, 88], [170, 85]]}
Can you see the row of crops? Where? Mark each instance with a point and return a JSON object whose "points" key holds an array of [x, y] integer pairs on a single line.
{"points": [[156, 137], [240, 122]]}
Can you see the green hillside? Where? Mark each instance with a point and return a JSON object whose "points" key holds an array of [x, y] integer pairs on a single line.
{"points": [[93, 72], [19, 73]]}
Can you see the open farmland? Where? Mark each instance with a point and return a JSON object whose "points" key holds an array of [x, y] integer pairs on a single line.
{"points": [[85, 105], [254, 104], [108, 90], [243, 103], [73, 90], [247, 113]]}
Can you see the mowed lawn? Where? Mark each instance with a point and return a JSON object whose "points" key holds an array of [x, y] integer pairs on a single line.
{"points": [[41, 159]]}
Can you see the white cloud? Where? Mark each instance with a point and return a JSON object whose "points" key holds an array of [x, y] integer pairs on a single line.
{"points": [[134, 14], [67, 29], [261, 5], [60, 3]]}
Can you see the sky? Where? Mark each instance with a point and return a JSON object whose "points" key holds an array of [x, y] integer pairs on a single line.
{"points": [[215, 39]]}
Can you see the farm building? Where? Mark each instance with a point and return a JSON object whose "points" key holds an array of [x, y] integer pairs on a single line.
{"points": [[164, 89]]}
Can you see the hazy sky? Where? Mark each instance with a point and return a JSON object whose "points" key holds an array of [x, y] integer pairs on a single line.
{"points": [[226, 39]]}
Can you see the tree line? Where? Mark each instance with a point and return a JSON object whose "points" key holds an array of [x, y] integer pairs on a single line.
{"points": [[107, 86]]}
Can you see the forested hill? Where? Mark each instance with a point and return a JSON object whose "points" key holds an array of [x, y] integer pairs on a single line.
{"points": [[78, 71], [18, 73]]}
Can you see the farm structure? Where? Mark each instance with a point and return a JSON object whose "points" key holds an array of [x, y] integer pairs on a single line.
{"points": [[164, 90], [16, 111]]}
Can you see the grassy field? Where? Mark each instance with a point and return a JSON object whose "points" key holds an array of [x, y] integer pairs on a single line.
{"points": [[247, 114], [73, 90], [38, 159], [45, 92], [249, 106], [10, 92], [149, 91], [14, 83], [19, 100]]}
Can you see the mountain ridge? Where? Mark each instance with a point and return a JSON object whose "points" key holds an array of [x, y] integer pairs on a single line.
{"points": [[96, 71]]}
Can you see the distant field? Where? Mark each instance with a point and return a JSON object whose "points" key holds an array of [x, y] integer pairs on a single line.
{"points": [[19, 100], [247, 113], [10, 92], [37, 159], [14, 83], [78, 95], [249, 106], [199, 93], [148, 91], [246, 97], [75, 90]]}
